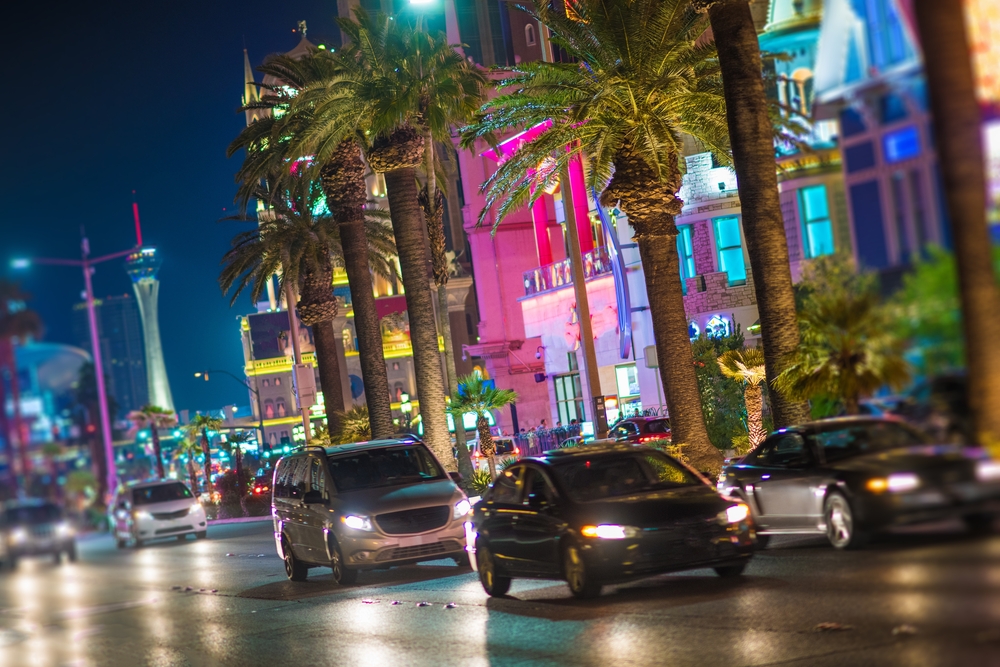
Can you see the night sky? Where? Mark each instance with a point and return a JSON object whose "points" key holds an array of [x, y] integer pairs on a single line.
{"points": [[105, 98]]}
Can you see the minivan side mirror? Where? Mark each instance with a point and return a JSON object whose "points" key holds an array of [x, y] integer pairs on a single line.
{"points": [[313, 498], [456, 477]]}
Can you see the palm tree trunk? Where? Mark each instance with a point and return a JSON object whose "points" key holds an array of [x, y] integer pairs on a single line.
{"points": [[206, 451], [753, 396], [661, 266], [192, 475], [486, 446], [957, 128], [240, 486], [155, 433], [328, 365], [461, 444], [752, 138], [401, 192], [344, 185]]}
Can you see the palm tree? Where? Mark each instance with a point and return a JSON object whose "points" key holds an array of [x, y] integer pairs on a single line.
{"points": [[18, 324], [303, 242], [199, 427], [354, 427], [751, 134], [233, 445], [341, 171], [189, 448], [154, 418], [957, 135], [848, 351], [477, 396], [746, 366], [639, 80]]}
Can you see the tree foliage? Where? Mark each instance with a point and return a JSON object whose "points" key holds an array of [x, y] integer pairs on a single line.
{"points": [[721, 398]]}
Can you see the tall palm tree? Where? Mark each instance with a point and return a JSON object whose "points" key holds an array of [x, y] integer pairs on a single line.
{"points": [[233, 445], [18, 324], [304, 243], [847, 352], [341, 171], [154, 418], [198, 427], [639, 81], [957, 135], [479, 397], [751, 134], [189, 448], [746, 366]]}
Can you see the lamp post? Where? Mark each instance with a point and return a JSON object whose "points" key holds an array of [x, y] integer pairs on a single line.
{"points": [[87, 264], [260, 411]]}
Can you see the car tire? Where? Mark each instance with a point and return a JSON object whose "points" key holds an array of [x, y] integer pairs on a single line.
{"points": [[582, 583], [463, 560], [71, 553], [841, 528], [494, 585], [727, 571], [343, 575], [979, 524], [201, 535], [295, 569], [763, 541], [120, 543], [57, 558]]}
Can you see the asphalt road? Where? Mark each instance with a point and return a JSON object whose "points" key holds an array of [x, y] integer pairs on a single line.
{"points": [[939, 590]]}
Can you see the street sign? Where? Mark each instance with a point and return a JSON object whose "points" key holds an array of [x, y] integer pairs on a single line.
{"points": [[650, 353]]}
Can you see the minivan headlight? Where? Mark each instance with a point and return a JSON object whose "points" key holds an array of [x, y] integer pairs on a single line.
{"points": [[357, 522], [19, 535], [64, 529], [462, 507]]}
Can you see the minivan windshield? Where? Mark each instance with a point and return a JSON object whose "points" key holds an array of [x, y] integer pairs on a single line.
{"points": [[27, 515], [385, 466], [865, 438], [607, 476], [161, 493]]}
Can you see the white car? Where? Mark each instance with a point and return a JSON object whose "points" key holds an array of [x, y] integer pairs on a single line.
{"points": [[144, 511]]}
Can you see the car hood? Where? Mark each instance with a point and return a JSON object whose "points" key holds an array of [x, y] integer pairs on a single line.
{"points": [[913, 459], [656, 508], [397, 498], [169, 506]]}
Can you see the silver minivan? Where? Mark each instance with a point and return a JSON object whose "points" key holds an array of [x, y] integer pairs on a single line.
{"points": [[366, 506]]}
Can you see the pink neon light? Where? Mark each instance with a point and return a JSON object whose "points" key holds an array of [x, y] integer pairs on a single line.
{"points": [[509, 146], [138, 228]]}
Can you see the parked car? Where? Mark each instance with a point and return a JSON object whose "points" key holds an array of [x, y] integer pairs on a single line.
{"points": [[363, 506], [506, 447], [35, 528], [940, 407], [143, 511], [261, 485], [595, 515], [641, 429], [850, 477]]}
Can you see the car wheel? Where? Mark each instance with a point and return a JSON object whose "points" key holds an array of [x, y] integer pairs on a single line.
{"points": [[201, 535], [120, 543], [731, 570], [71, 553], [494, 585], [979, 524], [295, 570], [763, 541], [841, 530], [582, 583], [57, 558], [462, 561], [343, 575]]}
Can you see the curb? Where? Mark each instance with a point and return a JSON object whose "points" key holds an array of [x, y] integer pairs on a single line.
{"points": [[240, 519]]}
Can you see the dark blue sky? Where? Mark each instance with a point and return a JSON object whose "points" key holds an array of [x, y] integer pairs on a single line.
{"points": [[108, 97]]}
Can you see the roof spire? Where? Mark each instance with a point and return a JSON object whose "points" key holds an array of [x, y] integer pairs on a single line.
{"points": [[303, 28], [250, 93]]}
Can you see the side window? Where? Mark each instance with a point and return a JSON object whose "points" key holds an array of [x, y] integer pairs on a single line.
{"points": [[539, 489], [285, 471], [788, 450], [625, 430], [658, 426], [759, 456], [300, 479], [317, 479], [507, 488]]}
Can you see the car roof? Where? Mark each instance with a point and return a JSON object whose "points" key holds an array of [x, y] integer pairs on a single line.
{"points": [[646, 418], [569, 453], [144, 483], [333, 450], [839, 422]]}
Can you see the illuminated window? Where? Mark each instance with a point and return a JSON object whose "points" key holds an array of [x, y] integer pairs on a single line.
{"points": [[685, 250], [730, 249], [569, 398], [627, 379], [280, 405], [817, 232]]}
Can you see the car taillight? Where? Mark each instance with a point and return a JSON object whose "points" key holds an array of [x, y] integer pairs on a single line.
{"points": [[517, 451], [257, 490], [476, 454]]}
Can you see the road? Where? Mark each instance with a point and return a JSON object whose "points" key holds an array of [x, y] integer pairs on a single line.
{"points": [[225, 601]]}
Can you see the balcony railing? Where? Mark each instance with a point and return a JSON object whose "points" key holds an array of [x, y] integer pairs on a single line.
{"points": [[559, 274]]}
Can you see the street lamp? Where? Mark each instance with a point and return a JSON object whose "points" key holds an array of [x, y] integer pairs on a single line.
{"points": [[260, 410], [87, 264]]}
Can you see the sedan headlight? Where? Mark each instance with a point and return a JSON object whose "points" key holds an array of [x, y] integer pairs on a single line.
{"points": [[462, 507], [19, 535], [194, 508], [142, 514], [734, 514], [357, 522], [899, 482], [988, 471], [609, 531]]}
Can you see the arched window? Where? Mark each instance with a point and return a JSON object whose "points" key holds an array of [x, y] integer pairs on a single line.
{"points": [[280, 403], [348, 335], [529, 35], [267, 383], [269, 409], [277, 382]]}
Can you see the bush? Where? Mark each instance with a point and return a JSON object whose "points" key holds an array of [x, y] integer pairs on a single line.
{"points": [[481, 481]]}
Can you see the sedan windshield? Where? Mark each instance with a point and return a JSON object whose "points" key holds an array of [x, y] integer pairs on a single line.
{"points": [[27, 515], [606, 476], [386, 466], [161, 493], [858, 439]]}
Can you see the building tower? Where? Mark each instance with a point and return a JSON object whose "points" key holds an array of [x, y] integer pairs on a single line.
{"points": [[143, 265]]}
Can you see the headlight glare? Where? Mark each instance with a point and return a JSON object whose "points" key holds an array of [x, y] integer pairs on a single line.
{"points": [[462, 507], [988, 471], [357, 522], [64, 529], [142, 514], [19, 535], [734, 514], [899, 482], [194, 508], [609, 531]]}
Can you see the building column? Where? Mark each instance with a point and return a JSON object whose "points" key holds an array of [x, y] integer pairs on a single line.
{"points": [[581, 207], [540, 218]]}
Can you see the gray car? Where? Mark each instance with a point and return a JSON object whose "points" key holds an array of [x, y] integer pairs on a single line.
{"points": [[365, 506]]}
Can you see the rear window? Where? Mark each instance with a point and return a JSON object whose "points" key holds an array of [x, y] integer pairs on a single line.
{"points": [[603, 477], [387, 466], [30, 515], [658, 426], [161, 493], [843, 443]]}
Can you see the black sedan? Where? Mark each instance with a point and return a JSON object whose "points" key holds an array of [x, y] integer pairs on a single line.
{"points": [[597, 515], [851, 477]]}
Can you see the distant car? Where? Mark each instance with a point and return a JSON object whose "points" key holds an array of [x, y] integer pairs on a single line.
{"points": [[595, 515], [364, 506], [143, 511], [505, 448], [641, 429], [35, 528], [261, 486], [850, 477]]}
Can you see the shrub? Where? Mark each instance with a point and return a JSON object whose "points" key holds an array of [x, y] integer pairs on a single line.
{"points": [[481, 481]]}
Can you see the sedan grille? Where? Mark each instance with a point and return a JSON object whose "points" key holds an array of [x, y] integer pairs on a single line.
{"points": [[419, 551], [170, 516], [409, 522], [175, 529], [43, 530]]}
